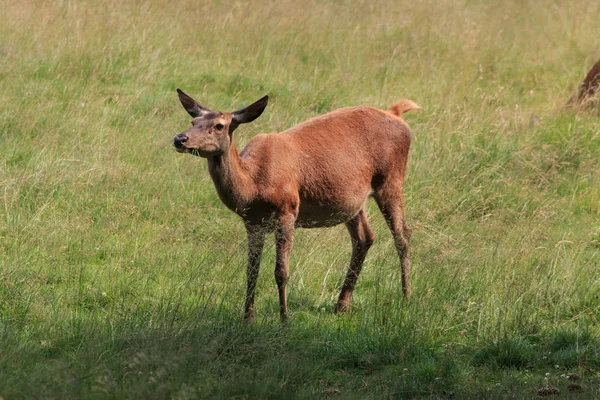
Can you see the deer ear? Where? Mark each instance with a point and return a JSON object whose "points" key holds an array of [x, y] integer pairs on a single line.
{"points": [[250, 113], [193, 108]]}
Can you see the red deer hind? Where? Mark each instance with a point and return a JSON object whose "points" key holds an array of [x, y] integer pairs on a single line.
{"points": [[316, 174], [589, 87]]}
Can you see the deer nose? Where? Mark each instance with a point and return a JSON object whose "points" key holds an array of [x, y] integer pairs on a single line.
{"points": [[179, 140]]}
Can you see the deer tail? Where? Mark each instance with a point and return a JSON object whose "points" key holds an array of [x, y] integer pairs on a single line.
{"points": [[403, 106]]}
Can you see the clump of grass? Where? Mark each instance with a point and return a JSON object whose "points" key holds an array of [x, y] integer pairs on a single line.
{"points": [[505, 353]]}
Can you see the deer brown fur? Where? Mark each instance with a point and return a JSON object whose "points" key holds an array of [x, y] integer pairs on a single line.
{"points": [[316, 174], [589, 87]]}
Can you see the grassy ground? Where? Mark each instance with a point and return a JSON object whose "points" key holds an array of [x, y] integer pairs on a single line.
{"points": [[122, 275]]}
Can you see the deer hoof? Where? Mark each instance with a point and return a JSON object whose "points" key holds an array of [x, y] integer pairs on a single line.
{"points": [[341, 308]]}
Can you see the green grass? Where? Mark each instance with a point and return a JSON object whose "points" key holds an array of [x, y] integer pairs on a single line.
{"points": [[122, 275]]}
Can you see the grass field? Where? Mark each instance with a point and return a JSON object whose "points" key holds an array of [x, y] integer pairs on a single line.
{"points": [[122, 275]]}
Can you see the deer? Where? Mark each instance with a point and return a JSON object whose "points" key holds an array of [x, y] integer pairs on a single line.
{"points": [[589, 87], [316, 174]]}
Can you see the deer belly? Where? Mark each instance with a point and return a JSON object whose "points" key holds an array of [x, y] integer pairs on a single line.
{"points": [[317, 214]]}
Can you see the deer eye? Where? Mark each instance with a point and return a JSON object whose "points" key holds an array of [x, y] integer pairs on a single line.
{"points": [[219, 127]]}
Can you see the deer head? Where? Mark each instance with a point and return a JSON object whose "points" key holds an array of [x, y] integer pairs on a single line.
{"points": [[212, 132]]}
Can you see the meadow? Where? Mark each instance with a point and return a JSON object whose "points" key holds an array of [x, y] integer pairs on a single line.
{"points": [[123, 276]]}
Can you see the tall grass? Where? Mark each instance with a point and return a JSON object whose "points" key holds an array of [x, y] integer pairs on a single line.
{"points": [[122, 274]]}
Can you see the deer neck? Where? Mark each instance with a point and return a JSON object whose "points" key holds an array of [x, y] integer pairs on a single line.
{"points": [[232, 179]]}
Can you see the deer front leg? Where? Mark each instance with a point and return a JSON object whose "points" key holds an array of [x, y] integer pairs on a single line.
{"points": [[256, 241], [284, 237]]}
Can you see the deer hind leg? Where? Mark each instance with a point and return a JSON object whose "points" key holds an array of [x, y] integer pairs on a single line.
{"points": [[362, 239], [390, 199]]}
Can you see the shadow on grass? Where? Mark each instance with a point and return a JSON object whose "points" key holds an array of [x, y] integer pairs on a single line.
{"points": [[221, 357], [212, 353]]}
